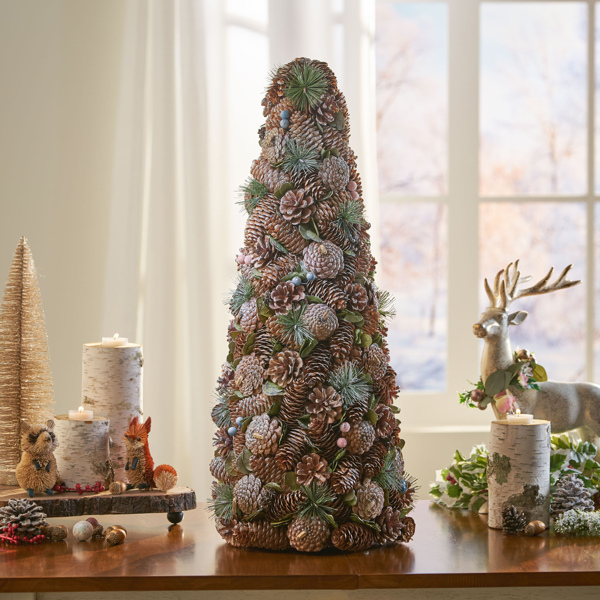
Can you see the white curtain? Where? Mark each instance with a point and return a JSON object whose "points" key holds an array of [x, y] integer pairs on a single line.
{"points": [[169, 259]]}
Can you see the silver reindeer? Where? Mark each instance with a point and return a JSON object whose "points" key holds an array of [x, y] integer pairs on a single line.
{"points": [[566, 405]]}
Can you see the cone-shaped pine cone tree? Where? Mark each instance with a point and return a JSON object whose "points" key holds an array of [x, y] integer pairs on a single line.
{"points": [[308, 452]]}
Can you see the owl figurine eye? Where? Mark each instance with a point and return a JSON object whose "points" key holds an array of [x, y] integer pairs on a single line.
{"points": [[139, 439]]}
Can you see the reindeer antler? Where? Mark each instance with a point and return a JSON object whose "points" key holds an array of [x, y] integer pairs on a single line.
{"points": [[506, 282]]}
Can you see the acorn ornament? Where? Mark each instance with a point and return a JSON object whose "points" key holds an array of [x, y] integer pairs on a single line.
{"points": [[535, 528], [55, 533], [115, 535], [117, 487]]}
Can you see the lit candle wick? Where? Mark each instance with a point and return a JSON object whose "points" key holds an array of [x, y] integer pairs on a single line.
{"points": [[81, 409], [518, 411], [116, 336]]}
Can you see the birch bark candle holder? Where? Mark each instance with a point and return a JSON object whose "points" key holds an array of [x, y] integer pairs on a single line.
{"points": [[518, 470], [83, 454], [112, 385]]}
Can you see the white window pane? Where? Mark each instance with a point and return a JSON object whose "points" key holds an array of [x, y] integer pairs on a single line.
{"points": [[541, 235], [413, 268], [412, 104], [533, 98]]}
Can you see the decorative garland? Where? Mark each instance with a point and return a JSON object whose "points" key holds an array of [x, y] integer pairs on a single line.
{"points": [[525, 373], [579, 523]]}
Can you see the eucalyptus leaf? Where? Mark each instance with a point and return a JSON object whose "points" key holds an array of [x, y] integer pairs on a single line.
{"points": [[353, 317], [314, 299], [272, 389], [308, 233], [284, 189], [373, 401], [278, 245], [240, 466], [245, 424], [372, 417], [230, 464], [307, 347], [349, 253], [497, 382], [237, 394], [274, 410], [365, 340], [339, 120], [331, 521], [340, 455], [394, 409], [249, 345], [256, 273], [274, 486], [335, 152], [290, 480]]}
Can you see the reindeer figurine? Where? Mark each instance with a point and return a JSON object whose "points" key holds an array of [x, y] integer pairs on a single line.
{"points": [[566, 405]]}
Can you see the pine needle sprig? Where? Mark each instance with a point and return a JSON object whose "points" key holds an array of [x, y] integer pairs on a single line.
{"points": [[349, 217], [350, 383], [299, 159], [317, 498], [220, 413], [307, 85], [388, 477], [242, 293], [221, 505], [294, 328], [252, 192], [387, 310]]}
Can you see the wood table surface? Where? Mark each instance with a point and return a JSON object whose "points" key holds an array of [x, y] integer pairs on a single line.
{"points": [[450, 549]]}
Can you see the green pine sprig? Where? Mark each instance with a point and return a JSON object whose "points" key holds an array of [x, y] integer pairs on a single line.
{"points": [[389, 478], [252, 192], [387, 310], [242, 293], [307, 85], [221, 505], [349, 217], [294, 328], [350, 383], [220, 413], [315, 506], [299, 159]]}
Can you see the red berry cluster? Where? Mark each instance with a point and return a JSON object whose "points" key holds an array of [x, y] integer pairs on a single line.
{"points": [[11, 536], [95, 489]]}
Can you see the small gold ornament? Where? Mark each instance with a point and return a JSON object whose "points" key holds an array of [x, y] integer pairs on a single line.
{"points": [[113, 527], [117, 487], [116, 536], [535, 528]]}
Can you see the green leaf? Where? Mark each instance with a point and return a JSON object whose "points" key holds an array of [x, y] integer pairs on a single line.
{"points": [[272, 389], [335, 152], [454, 490], [352, 317], [340, 455], [278, 245], [249, 345], [394, 409], [256, 273], [241, 463], [245, 424], [275, 408], [274, 486], [314, 299], [372, 417], [230, 465], [371, 524], [284, 189], [339, 121], [497, 382], [365, 340], [237, 394], [331, 520], [539, 373], [290, 480], [307, 347], [373, 401], [308, 233]]}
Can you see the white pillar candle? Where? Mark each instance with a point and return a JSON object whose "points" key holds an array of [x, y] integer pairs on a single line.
{"points": [[81, 414], [115, 341], [519, 419]]}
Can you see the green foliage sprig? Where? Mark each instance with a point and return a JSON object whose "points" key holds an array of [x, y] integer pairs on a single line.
{"points": [[252, 192], [307, 85], [349, 218], [315, 506], [294, 328], [221, 505], [221, 414], [579, 523], [299, 159], [240, 294], [387, 310], [350, 383]]}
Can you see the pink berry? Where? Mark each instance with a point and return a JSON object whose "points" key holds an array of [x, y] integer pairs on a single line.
{"points": [[351, 187], [248, 259], [240, 259], [342, 442], [345, 427], [354, 195]]}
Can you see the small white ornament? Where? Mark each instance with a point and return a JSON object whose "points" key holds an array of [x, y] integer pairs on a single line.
{"points": [[83, 530]]}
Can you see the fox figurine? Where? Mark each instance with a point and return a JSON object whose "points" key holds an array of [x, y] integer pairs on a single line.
{"points": [[37, 471], [140, 465]]}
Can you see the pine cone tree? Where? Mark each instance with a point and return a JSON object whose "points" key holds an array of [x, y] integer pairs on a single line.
{"points": [[25, 514], [246, 492], [360, 437], [262, 435], [267, 469], [292, 449], [374, 361], [324, 259], [325, 404], [308, 535], [260, 534], [513, 521], [284, 295], [284, 367], [391, 525], [352, 537], [347, 474], [249, 374], [296, 207], [328, 291], [321, 321], [369, 500], [571, 493], [335, 173], [317, 365], [357, 297], [285, 504], [312, 467]]}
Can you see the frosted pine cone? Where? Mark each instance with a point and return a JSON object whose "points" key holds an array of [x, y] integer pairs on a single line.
{"points": [[271, 177], [284, 295], [386, 422], [266, 469], [219, 471], [390, 523], [571, 493], [325, 404], [360, 437], [24, 514], [335, 173], [246, 493], [227, 376], [284, 367], [312, 466], [308, 535], [321, 320], [262, 435], [263, 252], [249, 374], [248, 316], [273, 146], [357, 297], [369, 500], [303, 130], [326, 111], [297, 207], [223, 442], [375, 361], [251, 406], [324, 259]]}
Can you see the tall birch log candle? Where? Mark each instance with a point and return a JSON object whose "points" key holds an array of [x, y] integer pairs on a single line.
{"points": [[518, 470], [83, 454], [112, 385]]}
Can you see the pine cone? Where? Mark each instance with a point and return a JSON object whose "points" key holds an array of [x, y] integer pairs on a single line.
{"points": [[386, 421], [239, 441], [25, 514], [296, 207], [369, 500], [348, 273], [357, 411], [227, 376], [262, 435], [246, 492], [284, 367], [266, 498], [292, 403], [513, 521], [248, 316], [341, 511], [391, 525], [273, 146], [274, 118], [256, 226], [240, 342], [335, 173], [292, 449], [328, 291], [408, 530], [218, 470], [360, 437], [251, 406], [260, 534], [400, 501], [249, 374], [286, 234], [263, 252], [304, 131], [223, 442], [352, 537], [284, 295], [332, 138], [324, 439], [374, 458], [371, 317], [325, 404], [357, 296], [225, 529], [387, 389], [269, 176], [266, 469], [324, 259], [374, 362], [347, 474], [308, 535], [326, 111], [317, 365], [312, 466], [571, 493], [341, 342], [321, 320], [263, 346], [285, 504]]}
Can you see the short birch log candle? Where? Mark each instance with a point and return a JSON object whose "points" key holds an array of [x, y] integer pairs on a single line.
{"points": [[518, 470], [83, 454], [112, 385]]}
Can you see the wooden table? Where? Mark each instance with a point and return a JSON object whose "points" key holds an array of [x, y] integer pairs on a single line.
{"points": [[450, 549]]}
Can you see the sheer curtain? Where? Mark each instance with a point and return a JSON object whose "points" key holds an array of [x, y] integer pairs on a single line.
{"points": [[172, 228]]}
